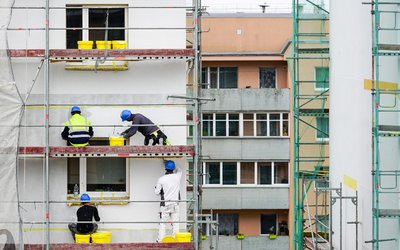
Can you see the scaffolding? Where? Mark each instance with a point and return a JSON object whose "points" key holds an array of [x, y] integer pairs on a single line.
{"points": [[47, 56], [385, 107], [310, 107]]}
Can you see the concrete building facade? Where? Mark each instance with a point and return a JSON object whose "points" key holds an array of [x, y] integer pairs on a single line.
{"points": [[245, 131]]}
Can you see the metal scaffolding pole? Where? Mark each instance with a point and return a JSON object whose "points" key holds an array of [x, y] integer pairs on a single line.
{"points": [[47, 128]]}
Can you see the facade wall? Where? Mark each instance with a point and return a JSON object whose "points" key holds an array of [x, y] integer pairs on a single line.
{"points": [[248, 49], [138, 89]]}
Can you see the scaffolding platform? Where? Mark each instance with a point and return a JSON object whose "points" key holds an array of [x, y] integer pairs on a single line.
{"points": [[110, 151], [159, 246], [93, 54], [389, 213]]}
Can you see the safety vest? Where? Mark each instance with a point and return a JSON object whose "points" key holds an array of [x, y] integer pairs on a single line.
{"points": [[78, 130]]}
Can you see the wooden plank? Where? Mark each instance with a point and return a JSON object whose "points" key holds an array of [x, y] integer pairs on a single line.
{"points": [[112, 151], [160, 246]]}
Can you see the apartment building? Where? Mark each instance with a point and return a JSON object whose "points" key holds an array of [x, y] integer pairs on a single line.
{"points": [[51, 75], [245, 131]]}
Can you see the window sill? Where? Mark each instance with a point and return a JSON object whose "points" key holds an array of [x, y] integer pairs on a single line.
{"points": [[246, 186], [104, 200], [246, 137], [90, 65]]}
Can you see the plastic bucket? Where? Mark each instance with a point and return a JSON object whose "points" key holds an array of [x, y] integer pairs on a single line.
{"points": [[117, 141], [101, 237], [102, 44], [82, 238], [168, 239], [119, 44], [85, 44], [183, 237]]}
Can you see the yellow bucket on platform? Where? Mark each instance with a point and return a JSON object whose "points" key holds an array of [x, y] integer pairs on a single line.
{"points": [[103, 44], [85, 44], [168, 239], [82, 238], [119, 44], [183, 237], [117, 141], [101, 237]]}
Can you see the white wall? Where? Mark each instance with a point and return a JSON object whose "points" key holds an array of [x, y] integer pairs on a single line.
{"points": [[351, 120], [143, 88]]}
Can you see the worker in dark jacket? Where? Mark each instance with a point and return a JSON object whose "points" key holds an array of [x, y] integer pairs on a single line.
{"points": [[78, 129], [85, 213], [150, 131]]}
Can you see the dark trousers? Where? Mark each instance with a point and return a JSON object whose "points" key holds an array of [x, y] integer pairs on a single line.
{"points": [[156, 139], [73, 228]]}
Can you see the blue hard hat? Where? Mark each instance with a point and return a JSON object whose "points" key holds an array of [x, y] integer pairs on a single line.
{"points": [[85, 197], [169, 165], [75, 109], [125, 114]]}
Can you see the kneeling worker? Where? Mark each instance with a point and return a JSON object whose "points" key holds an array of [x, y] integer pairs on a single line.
{"points": [[150, 132], [86, 212], [78, 129]]}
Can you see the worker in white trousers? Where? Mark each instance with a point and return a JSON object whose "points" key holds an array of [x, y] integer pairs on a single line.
{"points": [[168, 188]]}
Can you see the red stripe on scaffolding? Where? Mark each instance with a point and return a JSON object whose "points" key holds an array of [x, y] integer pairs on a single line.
{"points": [[163, 246], [100, 53], [122, 151]]}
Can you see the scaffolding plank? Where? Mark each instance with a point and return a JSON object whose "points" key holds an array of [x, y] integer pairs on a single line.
{"points": [[392, 128], [389, 46], [112, 151], [119, 54], [389, 212], [160, 246]]}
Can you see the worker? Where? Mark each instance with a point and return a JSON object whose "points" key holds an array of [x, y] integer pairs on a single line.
{"points": [[86, 212], [78, 129], [168, 188], [150, 132]]}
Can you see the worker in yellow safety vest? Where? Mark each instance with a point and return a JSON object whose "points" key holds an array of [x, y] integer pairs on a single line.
{"points": [[78, 129]]}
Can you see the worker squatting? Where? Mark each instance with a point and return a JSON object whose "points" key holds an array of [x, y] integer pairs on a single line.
{"points": [[78, 129]]}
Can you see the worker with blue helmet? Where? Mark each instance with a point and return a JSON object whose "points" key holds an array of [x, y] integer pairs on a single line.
{"points": [[78, 129], [145, 126], [168, 187], [86, 212]]}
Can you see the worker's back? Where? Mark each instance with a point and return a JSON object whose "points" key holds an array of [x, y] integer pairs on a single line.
{"points": [[170, 184], [86, 213]]}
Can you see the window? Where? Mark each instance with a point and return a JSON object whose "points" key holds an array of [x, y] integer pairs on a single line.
{"points": [[321, 78], [220, 77], [94, 18], [102, 174], [322, 128], [268, 223], [225, 124], [246, 124], [228, 224], [246, 173], [267, 77]]}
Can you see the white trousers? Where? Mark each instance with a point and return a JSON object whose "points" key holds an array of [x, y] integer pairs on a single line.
{"points": [[168, 212]]}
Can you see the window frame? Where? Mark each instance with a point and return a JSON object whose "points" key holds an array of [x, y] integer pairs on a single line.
{"points": [[316, 88], [207, 82], [83, 178], [241, 121], [259, 76], [238, 174], [85, 18], [321, 139]]}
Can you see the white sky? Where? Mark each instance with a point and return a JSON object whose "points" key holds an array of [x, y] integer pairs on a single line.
{"points": [[246, 5]]}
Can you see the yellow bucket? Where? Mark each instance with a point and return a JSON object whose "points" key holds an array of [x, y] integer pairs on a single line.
{"points": [[85, 44], [82, 238], [117, 141], [183, 237], [168, 239], [101, 237], [119, 44], [102, 44]]}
